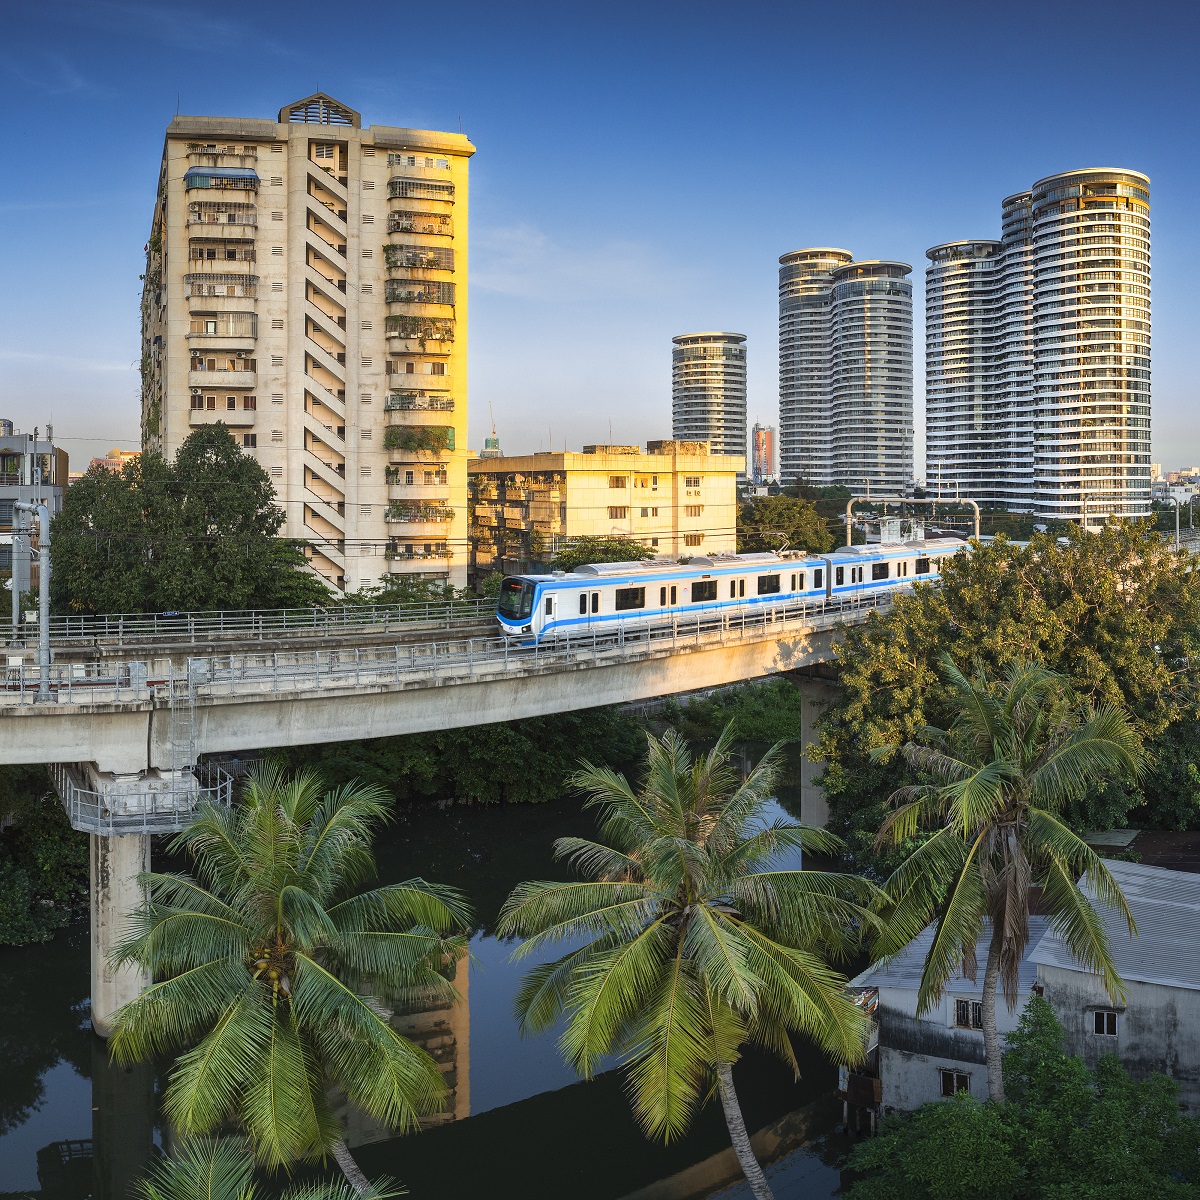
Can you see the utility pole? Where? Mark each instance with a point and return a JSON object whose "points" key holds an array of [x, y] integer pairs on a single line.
{"points": [[42, 514]]}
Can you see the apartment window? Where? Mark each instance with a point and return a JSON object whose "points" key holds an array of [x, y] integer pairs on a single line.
{"points": [[654, 513], [1106, 1022], [322, 150], [437, 368], [693, 539], [645, 512], [249, 440], [410, 368], [197, 401], [210, 327], [617, 513], [704, 589], [616, 481], [231, 402], [968, 1014], [210, 402], [691, 481], [880, 570], [277, 435], [768, 585], [408, 478], [628, 598], [693, 510], [954, 1082]]}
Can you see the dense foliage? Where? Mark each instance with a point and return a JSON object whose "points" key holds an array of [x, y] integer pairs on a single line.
{"points": [[43, 861], [1115, 612], [200, 532], [1066, 1133], [525, 761], [760, 712], [273, 970], [779, 522], [583, 550]]}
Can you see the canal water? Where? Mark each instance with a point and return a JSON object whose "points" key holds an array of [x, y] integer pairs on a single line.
{"points": [[520, 1124]]}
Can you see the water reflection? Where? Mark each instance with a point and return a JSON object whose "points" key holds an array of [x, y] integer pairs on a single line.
{"points": [[518, 1121]]}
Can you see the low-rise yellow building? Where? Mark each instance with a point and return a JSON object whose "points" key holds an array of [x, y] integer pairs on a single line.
{"points": [[676, 498]]}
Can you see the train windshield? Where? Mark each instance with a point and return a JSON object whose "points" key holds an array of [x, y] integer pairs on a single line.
{"points": [[516, 599]]}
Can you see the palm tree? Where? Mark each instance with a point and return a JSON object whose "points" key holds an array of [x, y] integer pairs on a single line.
{"points": [[692, 944], [223, 1169], [1017, 751], [271, 972]]}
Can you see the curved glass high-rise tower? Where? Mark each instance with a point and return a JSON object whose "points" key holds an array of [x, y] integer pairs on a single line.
{"points": [[1038, 353], [845, 370]]}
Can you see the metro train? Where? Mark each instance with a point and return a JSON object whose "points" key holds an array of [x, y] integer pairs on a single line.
{"points": [[606, 596]]}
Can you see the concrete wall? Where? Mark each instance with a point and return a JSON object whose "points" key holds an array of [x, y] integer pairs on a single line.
{"points": [[1158, 1028]]}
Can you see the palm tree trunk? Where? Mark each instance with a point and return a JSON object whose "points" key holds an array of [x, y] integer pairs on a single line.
{"points": [[739, 1137], [352, 1171], [991, 1039]]}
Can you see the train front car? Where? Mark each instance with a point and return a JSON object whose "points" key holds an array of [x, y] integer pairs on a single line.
{"points": [[514, 609]]}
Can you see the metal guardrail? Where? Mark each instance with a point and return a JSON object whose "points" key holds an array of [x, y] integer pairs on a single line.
{"points": [[261, 623], [297, 671], [147, 810]]}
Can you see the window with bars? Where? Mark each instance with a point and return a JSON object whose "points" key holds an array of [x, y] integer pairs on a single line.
{"points": [[693, 539], [968, 1014], [617, 512]]}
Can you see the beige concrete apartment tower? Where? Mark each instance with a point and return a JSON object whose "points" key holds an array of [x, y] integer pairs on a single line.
{"points": [[306, 286]]}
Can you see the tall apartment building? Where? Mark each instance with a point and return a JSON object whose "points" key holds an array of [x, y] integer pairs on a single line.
{"points": [[306, 286], [1037, 351], [33, 470], [762, 438], [845, 371], [676, 498], [708, 390]]}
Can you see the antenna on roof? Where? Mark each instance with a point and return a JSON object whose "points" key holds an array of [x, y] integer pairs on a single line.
{"points": [[460, 122], [178, 102]]}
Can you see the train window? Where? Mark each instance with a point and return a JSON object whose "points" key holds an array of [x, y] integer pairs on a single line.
{"points": [[817, 577], [839, 575], [704, 589], [901, 570], [583, 604], [630, 598], [516, 599], [856, 575], [741, 587], [733, 589], [793, 583], [768, 585], [549, 606], [922, 566], [662, 597], [880, 570], [595, 602], [673, 591]]}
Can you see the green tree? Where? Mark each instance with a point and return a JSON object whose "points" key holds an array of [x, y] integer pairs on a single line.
{"points": [[200, 532], [223, 1169], [582, 550], [271, 972], [693, 942], [1066, 1133], [781, 522], [1115, 612], [1016, 753]]}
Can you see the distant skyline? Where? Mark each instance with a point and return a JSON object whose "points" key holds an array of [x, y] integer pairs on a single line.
{"points": [[640, 171]]}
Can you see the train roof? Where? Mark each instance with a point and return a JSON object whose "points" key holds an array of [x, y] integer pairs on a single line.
{"points": [[873, 548]]}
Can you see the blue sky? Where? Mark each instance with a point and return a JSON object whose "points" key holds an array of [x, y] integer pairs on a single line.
{"points": [[640, 169]]}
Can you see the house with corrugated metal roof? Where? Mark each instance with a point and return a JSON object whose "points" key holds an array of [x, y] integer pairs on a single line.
{"points": [[1157, 1026], [935, 1055]]}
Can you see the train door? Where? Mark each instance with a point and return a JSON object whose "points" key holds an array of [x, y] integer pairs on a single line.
{"points": [[549, 611], [589, 610]]}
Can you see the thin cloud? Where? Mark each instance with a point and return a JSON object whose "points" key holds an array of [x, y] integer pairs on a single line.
{"points": [[62, 361], [49, 74]]}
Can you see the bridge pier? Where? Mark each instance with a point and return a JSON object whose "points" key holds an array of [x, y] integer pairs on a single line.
{"points": [[115, 864]]}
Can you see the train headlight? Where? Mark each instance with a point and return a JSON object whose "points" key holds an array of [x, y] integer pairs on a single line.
{"points": [[526, 628]]}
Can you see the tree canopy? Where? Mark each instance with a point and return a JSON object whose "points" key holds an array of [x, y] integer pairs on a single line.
{"points": [[201, 532], [1115, 612], [599, 550], [767, 522], [1065, 1133]]}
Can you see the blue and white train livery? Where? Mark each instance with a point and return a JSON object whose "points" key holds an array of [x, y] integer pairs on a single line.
{"points": [[606, 596]]}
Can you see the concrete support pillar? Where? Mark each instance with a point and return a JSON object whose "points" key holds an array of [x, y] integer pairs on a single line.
{"points": [[116, 863]]}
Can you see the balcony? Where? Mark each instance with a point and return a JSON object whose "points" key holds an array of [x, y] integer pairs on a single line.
{"points": [[437, 224], [225, 371], [221, 284], [407, 553], [412, 512], [235, 178], [220, 250], [435, 439], [425, 481], [419, 258], [420, 329], [219, 213], [416, 402], [212, 154], [418, 291], [420, 189], [230, 326]]}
